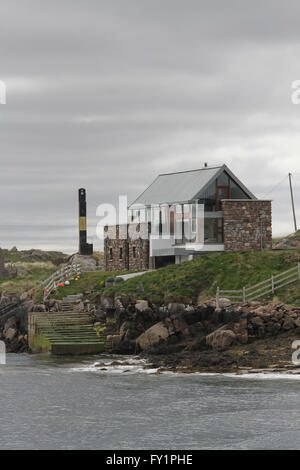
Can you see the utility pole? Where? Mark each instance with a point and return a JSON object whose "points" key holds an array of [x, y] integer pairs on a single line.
{"points": [[292, 199]]}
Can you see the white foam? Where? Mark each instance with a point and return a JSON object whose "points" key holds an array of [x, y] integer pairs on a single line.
{"points": [[256, 375], [126, 365], [136, 365], [266, 375]]}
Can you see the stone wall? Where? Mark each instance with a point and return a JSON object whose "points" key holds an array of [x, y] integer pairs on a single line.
{"points": [[247, 223], [126, 247]]}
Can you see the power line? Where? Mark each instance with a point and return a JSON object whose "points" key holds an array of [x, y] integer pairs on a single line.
{"points": [[276, 186]]}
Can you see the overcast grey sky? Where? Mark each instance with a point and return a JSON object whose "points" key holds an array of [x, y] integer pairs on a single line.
{"points": [[107, 94]]}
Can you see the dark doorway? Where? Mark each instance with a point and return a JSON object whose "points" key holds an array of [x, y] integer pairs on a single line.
{"points": [[162, 261]]}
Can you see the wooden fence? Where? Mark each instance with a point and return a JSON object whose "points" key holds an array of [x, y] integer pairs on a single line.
{"points": [[62, 275], [269, 286]]}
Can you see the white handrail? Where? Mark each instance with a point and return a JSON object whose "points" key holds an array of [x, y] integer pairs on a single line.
{"points": [[262, 288], [59, 276]]}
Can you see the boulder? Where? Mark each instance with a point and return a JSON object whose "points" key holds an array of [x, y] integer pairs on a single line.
{"points": [[153, 336], [223, 302], [87, 263], [107, 303], [278, 315], [100, 315], [288, 324], [241, 331], [115, 340], [119, 305], [179, 325], [126, 325], [10, 323], [161, 331], [254, 303], [175, 307], [221, 339], [142, 306], [10, 334], [257, 321], [259, 311]]}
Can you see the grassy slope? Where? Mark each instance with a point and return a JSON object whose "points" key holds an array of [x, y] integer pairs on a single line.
{"points": [[29, 256], [190, 281], [198, 279], [29, 277], [94, 282]]}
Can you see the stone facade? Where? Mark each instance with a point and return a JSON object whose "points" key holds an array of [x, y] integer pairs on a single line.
{"points": [[247, 225], [126, 247]]}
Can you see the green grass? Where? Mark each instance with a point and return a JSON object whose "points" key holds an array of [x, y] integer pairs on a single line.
{"points": [[29, 256], [290, 294], [93, 282], [30, 275], [198, 279], [193, 281]]}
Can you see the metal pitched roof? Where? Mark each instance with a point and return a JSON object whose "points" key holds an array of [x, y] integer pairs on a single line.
{"points": [[183, 186]]}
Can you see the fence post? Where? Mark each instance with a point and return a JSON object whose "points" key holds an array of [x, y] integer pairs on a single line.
{"points": [[273, 284], [244, 295], [218, 298]]}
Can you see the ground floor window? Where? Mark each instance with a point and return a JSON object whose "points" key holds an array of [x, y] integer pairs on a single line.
{"points": [[161, 261]]}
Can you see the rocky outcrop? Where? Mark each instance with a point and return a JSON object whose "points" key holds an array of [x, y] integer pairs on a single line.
{"points": [[88, 263], [162, 331], [221, 339], [256, 322], [13, 329], [158, 332]]}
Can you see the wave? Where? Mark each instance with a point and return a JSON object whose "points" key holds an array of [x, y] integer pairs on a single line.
{"points": [[135, 365], [124, 365]]}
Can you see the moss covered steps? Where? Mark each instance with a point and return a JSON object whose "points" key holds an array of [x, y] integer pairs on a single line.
{"points": [[64, 333]]}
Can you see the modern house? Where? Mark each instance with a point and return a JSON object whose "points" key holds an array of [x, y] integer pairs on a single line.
{"points": [[186, 214]]}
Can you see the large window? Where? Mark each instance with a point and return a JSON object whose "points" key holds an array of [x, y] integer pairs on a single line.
{"points": [[213, 230], [236, 192], [223, 188], [209, 198]]}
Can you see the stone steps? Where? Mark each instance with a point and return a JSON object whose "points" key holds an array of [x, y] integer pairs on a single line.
{"points": [[69, 333]]}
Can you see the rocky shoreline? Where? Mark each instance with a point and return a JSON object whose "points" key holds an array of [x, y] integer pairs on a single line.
{"points": [[180, 338], [189, 338]]}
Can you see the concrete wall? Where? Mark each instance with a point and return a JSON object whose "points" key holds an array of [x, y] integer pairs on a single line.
{"points": [[243, 226]]}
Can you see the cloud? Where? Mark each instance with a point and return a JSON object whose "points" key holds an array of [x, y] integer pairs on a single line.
{"points": [[106, 95]]}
